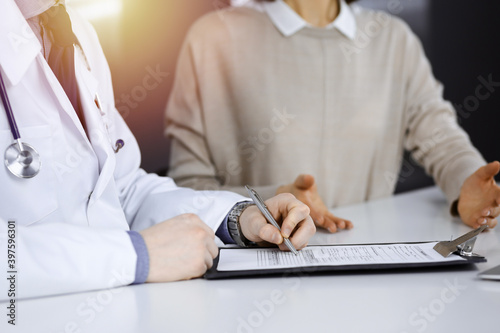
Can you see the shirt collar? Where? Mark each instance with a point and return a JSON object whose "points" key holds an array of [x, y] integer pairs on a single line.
{"points": [[288, 22], [31, 8], [18, 43]]}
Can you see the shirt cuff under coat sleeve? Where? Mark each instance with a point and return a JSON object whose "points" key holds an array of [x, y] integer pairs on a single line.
{"points": [[223, 230], [142, 265]]}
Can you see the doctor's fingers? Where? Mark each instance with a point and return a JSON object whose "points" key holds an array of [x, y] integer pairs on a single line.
{"points": [[201, 259], [203, 241], [255, 227], [295, 214], [304, 231], [209, 261], [195, 268], [268, 233], [212, 248]]}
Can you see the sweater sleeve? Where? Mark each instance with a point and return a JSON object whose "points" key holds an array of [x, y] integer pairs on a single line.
{"points": [[433, 136], [191, 162]]}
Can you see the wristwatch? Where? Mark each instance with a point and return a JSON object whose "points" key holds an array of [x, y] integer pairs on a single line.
{"points": [[233, 224]]}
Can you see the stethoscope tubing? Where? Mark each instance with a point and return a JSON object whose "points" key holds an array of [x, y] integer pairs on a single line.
{"points": [[21, 159], [8, 110]]}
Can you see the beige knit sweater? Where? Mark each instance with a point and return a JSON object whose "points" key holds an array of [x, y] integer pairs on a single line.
{"points": [[250, 106]]}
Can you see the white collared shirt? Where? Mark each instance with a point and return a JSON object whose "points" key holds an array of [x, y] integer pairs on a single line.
{"points": [[31, 8], [288, 22]]}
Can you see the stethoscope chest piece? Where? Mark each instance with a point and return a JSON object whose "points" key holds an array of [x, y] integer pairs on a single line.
{"points": [[22, 160]]}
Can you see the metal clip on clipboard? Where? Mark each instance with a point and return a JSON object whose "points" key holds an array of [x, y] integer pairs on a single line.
{"points": [[463, 245]]}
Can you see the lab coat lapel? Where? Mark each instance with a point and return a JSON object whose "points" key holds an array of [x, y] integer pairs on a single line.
{"points": [[63, 100], [19, 49], [96, 120], [95, 116]]}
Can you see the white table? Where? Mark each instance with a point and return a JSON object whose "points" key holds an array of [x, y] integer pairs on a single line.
{"points": [[430, 300]]}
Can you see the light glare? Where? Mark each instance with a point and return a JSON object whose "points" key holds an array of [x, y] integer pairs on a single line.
{"points": [[97, 9]]}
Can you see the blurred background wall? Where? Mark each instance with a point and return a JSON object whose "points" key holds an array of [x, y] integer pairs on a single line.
{"points": [[460, 38]]}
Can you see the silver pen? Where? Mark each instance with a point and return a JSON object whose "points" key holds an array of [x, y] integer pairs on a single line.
{"points": [[263, 208]]}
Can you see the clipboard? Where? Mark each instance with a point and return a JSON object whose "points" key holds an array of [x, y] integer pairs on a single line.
{"points": [[458, 252]]}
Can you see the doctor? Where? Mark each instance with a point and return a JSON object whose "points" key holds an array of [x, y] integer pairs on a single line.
{"points": [[73, 202]]}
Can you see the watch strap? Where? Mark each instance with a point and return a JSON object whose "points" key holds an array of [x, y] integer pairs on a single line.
{"points": [[234, 227]]}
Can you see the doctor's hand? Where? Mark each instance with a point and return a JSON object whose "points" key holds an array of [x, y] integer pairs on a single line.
{"points": [[304, 188], [479, 201], [181, 248], [291, 214]]}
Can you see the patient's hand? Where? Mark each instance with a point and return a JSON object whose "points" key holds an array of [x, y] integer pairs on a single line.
{"points": [[304, 188], [479, 201]]}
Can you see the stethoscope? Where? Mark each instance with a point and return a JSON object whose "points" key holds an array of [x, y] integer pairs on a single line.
{"points": [[21, 159]]}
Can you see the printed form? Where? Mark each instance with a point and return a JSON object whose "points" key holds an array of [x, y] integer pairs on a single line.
{"points": [[258, 259]]}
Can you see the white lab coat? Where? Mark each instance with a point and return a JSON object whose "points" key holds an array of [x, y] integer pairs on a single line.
{"points": [[72, 217]]}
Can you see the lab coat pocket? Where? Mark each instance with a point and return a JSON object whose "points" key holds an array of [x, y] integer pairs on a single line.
{"points": [[28, 200]]}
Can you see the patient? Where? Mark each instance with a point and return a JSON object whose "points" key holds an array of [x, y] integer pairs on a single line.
{"points": [[318, 98]]}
